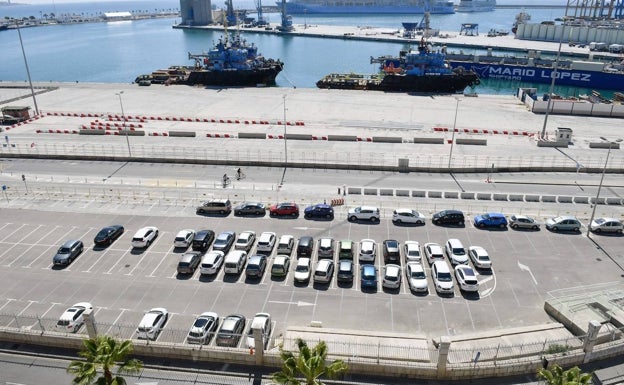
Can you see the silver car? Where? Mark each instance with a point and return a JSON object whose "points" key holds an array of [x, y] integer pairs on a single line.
{"points": [[563, 223], [523, 222]]}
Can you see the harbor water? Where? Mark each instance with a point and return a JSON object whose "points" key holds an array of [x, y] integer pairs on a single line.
{"points": [[116, 52]]}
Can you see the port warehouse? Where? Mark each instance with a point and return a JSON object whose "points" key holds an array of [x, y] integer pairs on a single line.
{"points": [[570, 33]]}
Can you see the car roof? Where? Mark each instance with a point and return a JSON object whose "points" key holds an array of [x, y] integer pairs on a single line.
{"points": [[280, 259], [467, 270], [246, 234], [393, 270], [212, 255], [203, 233], [266, 235], [321, 206], [259, 320], [70, 243], [415, 266], [186, 257], [368, 268], [286, 238], [184, 232], [323, 264], [225, 234], [256, 258], [303, 262], [441, 266], [404, 210]]}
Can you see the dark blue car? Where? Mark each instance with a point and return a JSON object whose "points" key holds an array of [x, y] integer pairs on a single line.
{"points": [[320, 210], [490, 220], [368, 276]]}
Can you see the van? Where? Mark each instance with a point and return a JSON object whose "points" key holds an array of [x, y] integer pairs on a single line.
{"points": [[448, 217], [305, 247], [215, 206], [234, 262]]}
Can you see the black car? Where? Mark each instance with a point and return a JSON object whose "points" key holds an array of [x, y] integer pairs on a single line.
{"points": [[108, 235], [345, 270], [320, 210], [448, 217], [250, 208], [305, 247], [202, 240], [224, 241]]}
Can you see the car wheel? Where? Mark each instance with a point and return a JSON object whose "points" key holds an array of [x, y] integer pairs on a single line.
{"points": [[328, 216], [271, 214], [513, 226], [374, 219], [306, 216], [222, 212], [294, 214], [619, 231], [536, 227], [502, 226], [598, 230], [199, 211], [481, 225], [420, 223], [398, 221], [460, 223], [353, 218], [555, 228], [576, 229]]}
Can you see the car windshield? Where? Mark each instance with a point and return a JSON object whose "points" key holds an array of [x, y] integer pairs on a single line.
{"points": [[64, 250], [413, 252], [200, 322], [222, 238], [483, 257], [302, 268], [103, 233], [444, 277], [417, 274], [600, 221], [458, 251]]}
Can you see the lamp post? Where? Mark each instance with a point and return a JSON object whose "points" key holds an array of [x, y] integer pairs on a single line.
{"points": [[32, 90], [453, 137], [285, 140], [604, 169], [123, 116]]}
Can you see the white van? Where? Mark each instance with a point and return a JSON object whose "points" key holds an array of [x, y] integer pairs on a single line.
{"points": [[235, 261]]}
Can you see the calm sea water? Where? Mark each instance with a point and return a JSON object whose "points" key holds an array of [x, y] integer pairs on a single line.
{"points": [[119, 51]]}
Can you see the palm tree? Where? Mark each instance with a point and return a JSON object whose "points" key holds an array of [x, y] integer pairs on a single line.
{"points": [[104, 353], [310, 364], [557, 376]]}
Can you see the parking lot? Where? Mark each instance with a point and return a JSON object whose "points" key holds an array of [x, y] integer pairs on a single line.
{"points": [[122, 282]]}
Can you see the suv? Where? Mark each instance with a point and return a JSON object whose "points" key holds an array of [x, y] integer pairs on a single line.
{"points": [[231, 330], [490, 220], [189, 262], [266, 242], [72, 319], [391, 251], [345, 249], [286, 208], [326, 248], [256, 266], [203, 328], [215, 206], [144, 237], [456, 252], [263, 322], [68, 252], [367, 213], [320, 210], [152, 323], [224, 241], [202, 240], [285, 244], [324, 271], [448, 217]]}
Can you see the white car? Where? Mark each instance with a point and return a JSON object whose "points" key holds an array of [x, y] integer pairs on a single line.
{"points": [[456, 252], [368, 250], [245, 240], [412, 251], [408, 216], [606, 225], [266, 242], [211, 262], [466, 278], [480, 257], [72, 318], [184, 238], [366, 213], [416, 277], [302, 271], [263, 322], [204, 327], [285, 244], [442, 278], [434, 252], [152, 323], [392, 276], [144, 237]]}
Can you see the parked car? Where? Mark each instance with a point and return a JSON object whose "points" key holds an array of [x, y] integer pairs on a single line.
{"points": [[345, 270], [286, 244], [235, 262], [184, 238], [231, 330], [202, 240], [305, 247], [317, 211], [408, 216], [263, 322], [564, 223], [211, 262], [490, 220], [215, 206], [69, 251], [442, 277], [256, 266], [204, 327], [392, 276], [368, 276], [324, 271], [72, 319], [189, 262], [412, 251], [416, 277], [606, 225], [108, 235], [266, 242], [280, 266], [152, 323], [456, 252], [326, 248], [391, 251], [523, 222], [250, 208], [364, 213], [448, 217], [302, 270], [284, 209], [245, 240], [144, 237], [224, 241], [368, 250], [466, 278], [480, 257], [434, 252], [345, 249]]}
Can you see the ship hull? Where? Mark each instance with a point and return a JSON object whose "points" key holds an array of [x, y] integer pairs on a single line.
{"points": [[431, 84], [302, 8], [476, 5], [530, 74], [235, 78]]}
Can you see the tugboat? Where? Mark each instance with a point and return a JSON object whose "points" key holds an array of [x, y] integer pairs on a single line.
{"points": [[419, 71], [232, 62]]}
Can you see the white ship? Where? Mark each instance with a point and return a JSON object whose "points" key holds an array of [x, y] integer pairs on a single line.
{"points": [[476, 5]]}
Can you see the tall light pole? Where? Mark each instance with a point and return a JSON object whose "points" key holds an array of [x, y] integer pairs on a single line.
{"points": [[604, 169], [123, 116], [285, 140], [32, 90], [453, 138]]}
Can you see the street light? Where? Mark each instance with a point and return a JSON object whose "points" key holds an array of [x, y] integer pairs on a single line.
{"points": [[123, 116], [453, 138], [604, 169], [32, 90]]}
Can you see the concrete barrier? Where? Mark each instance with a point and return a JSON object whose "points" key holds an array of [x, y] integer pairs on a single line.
{"points": [[472, 142], [182, 134], [370, 191], [531, 198], [451, 194], [564, 199], [251, 135], [516, 198], [600, 201], [485, 196], [614, 201], [388, 139], [581, 199], [500, 197], [131, 133], [419, 193], [342, 138], [354, 191], [544, 143], [402, 193], [92, 132], [614, 145], [298, 136], [434, 194], [467, 195], [429, 140], [386, 192], [549, 198]]}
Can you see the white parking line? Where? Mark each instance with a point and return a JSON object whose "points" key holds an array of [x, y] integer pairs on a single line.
{"points": [[141, 260], [10, 234], [26, 307], [151, 275], [116, 263], [19, 242], [50, 308], [8, 301]]}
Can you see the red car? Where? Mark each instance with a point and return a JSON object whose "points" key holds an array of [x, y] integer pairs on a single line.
{"points": [[286, 208]]}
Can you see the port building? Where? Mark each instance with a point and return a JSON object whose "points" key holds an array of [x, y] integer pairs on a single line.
{"points": [[196, 12]]}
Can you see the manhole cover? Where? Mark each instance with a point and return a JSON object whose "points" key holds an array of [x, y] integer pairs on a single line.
{"points": [[127, 265]]}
